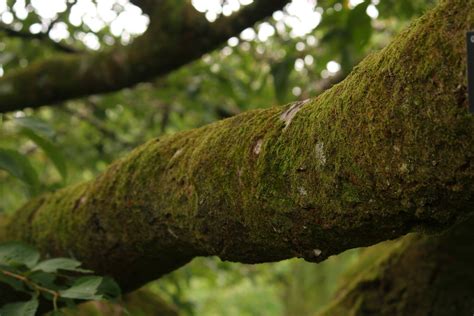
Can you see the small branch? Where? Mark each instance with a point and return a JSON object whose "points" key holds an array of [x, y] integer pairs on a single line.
{"points": [[40, 36], [97, 124], [36, 287], [165, 117], [65, 13]]}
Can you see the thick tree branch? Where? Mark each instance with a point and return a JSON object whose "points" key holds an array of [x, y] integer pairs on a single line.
{"points": [[177, 35], [387, 151]]}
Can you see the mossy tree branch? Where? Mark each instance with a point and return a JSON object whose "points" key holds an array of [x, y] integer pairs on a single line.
{"points": [[177, 35], [387, 151]]}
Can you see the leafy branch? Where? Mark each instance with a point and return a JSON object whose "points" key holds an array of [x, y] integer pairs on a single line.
{"points": [[60, 280], [36, 287]]}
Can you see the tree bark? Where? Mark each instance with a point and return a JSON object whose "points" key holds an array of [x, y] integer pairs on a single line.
{"points": [[387, 151], [177, 35], [418, 275]]}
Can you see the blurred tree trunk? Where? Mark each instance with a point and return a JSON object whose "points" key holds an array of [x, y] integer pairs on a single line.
{"points": [[387, 151], [417, 275]]}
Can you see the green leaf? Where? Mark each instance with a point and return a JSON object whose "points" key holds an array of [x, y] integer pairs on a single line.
{"points": [[109, 288], [20, 167], [43, 278], [85, 288], [36, 125], [15, 253], [50, 149], [360, 26], [53, 265], [281, 72], [20, 308]]}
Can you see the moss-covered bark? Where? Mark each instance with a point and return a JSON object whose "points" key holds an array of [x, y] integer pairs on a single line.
{"points": [[387, 151], [417, 275], [177, 35]]}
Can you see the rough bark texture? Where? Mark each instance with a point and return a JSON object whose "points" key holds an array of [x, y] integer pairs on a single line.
{"points": [[417, 275], [387, 151], [177, 35]]}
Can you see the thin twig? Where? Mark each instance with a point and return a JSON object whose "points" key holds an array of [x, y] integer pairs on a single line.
{"points": [[36, 287], [98, 125]]}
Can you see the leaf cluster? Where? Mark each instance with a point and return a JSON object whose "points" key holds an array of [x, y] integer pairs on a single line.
{"points": [[60, 281]]}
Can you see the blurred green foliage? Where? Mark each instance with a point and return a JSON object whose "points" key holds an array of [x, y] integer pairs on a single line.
{"points": [[45, 149]]}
